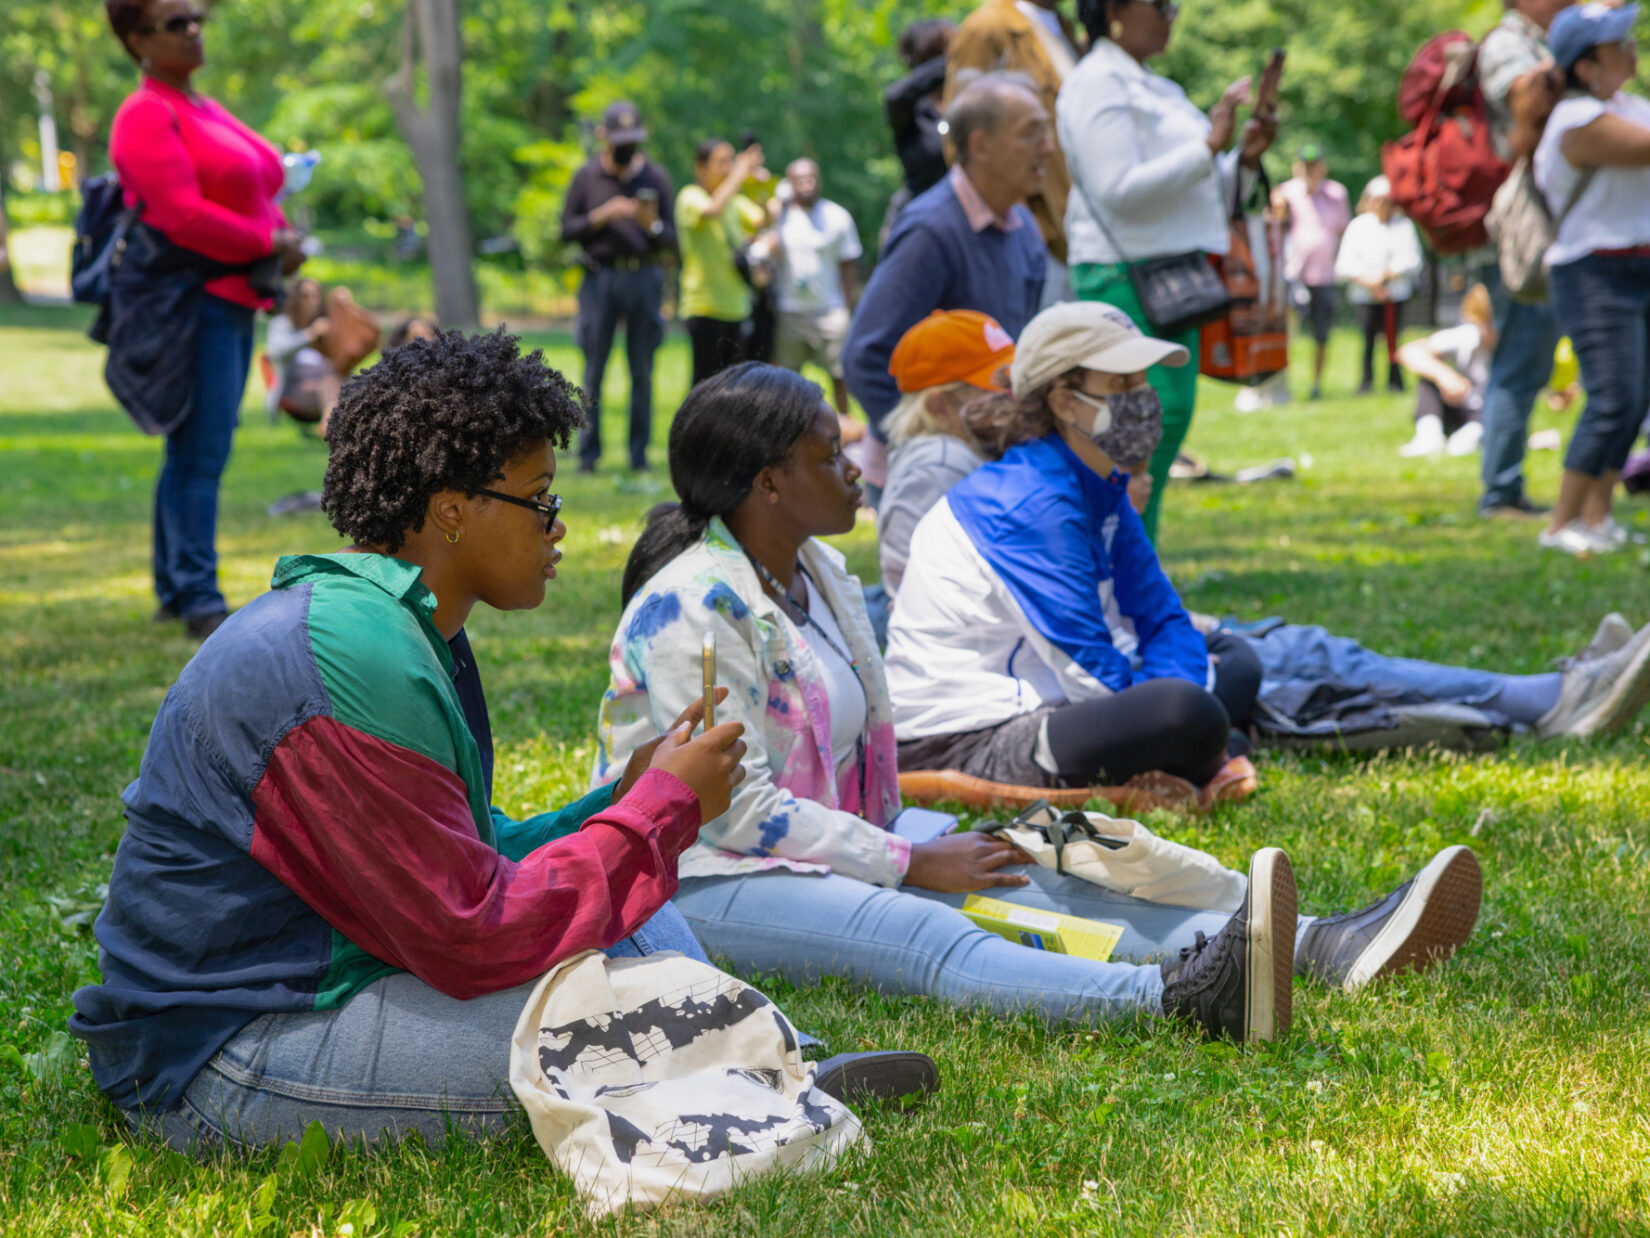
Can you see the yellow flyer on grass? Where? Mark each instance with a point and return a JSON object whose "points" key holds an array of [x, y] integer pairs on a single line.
{"points": [[1044, 930]]}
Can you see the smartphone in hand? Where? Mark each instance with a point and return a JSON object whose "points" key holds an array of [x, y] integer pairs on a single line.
{"points": [[1271, 79]]}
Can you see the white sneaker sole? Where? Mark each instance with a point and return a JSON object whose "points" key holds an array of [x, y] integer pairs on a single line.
{"points": [[1628, 695], [1433, 922], [1270, 977]]}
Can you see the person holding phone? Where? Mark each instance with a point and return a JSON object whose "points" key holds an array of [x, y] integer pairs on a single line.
{"points": [[613, 211], [714, 221], [1152, 176]]}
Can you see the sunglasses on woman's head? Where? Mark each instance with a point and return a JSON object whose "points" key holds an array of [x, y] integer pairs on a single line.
{"points": [[548, 510], [178, 23], [1166, 9]]}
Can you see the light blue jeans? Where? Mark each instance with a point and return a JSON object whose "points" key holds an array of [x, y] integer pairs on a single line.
{"points": [[806, 926], [398, 1057]]}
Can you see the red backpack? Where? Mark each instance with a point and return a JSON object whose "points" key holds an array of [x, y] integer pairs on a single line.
{"points": [[1444, 172]]}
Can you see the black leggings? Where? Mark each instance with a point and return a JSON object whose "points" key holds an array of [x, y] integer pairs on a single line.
{"points": [[1168, 724], [1377, 320], [717, 345]]}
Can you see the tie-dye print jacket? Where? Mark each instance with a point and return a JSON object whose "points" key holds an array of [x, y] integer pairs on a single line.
{"points": [[793, 809]]}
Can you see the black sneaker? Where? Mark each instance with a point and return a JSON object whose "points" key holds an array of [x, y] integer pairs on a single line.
{"points": [[200, 627], [855, 1078], [1422, 922], [164, 614], [1240, 984], [1519, 508]]}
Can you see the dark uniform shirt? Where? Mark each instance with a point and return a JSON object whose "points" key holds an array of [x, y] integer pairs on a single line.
{"points": [[620, 238]]}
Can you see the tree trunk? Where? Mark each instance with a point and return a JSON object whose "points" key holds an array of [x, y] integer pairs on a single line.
{"points": [[8, 286], [430, 33]]}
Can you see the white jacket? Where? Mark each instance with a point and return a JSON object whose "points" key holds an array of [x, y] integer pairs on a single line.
{"points": [[1138, 152], [1371, 249]]}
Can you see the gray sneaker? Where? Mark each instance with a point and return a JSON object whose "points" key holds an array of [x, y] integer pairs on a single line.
{"points": [[1613, 633], [1240, 983], [1602, 695], [1422, 922]]}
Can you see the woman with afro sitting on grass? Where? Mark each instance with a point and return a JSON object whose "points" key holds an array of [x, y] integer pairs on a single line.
{"points": [[315, 913]]}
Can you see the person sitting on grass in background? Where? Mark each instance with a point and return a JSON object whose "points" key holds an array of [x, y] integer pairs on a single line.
{"points": [[946, 360], [1036, 640], [314, 912], [1034, 619], [802, 874], [415, 327], [306, 385], [1452, 369]]}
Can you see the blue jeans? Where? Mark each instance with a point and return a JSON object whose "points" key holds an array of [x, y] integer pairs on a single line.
{"points": [[1526, 337], [1604, 304], [609, 296], [807, 926], [186, 492], [397, 1057]]}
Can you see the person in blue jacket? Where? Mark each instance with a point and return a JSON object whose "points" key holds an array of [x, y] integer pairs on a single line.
{"points": [[1036, 639]]}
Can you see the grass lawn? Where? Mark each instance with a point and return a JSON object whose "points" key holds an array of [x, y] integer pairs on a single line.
{"points": [[1504, 1093]]}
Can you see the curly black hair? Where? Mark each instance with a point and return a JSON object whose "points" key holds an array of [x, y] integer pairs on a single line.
{"points": [[446, 413]]}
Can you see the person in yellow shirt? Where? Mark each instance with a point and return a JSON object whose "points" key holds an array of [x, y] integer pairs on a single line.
{"points": [[714, 220]]}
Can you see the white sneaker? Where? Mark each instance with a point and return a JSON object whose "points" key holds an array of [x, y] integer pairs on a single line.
{"points": [[1575, 539], [1428, 441], [1465, 440], [1602, 695], [1618, 535], [1613, 633]]}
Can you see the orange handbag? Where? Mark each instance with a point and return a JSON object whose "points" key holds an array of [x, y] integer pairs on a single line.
{"points": [[1251, 342]]}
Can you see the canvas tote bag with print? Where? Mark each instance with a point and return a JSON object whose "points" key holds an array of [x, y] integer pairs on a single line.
{"points": [[1124, 856], [661, 1077]]}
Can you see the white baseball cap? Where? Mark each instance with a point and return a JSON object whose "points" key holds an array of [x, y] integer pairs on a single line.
{"points": [[1089, 335]]}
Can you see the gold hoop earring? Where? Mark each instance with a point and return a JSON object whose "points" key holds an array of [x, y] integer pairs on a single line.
{"points": [[452, 538], [1116, 31]]}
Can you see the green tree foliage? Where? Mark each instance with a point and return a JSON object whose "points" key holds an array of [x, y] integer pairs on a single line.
{"points": [[805, 75]]}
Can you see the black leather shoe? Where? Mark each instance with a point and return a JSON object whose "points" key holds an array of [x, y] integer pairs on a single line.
{"points": [[1240, 984], [200, 627], [164, 614], [854, 1078], [1422, 922]]}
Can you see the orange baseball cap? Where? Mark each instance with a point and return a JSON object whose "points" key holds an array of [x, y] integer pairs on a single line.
{"points": [[951, 346]]}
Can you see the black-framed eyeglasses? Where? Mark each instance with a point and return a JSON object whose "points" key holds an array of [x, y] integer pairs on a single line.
{"points": [[179, 23], [548, 510]]}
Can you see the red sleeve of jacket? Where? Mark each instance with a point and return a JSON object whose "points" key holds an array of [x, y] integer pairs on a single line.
{"points": [[156, 168], [380, 842]]}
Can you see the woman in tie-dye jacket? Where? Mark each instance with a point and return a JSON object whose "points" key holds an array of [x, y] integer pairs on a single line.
{"points": [[802, 874]]}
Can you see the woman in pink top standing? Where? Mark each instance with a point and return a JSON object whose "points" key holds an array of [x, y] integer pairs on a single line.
{"points": [[208, 184]]}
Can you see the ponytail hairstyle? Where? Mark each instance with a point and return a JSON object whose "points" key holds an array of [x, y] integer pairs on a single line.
{"points": [[728, 430], [1002, 419]]}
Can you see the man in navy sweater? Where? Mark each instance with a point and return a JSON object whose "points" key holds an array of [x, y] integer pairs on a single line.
{"points": [[968, 243]]}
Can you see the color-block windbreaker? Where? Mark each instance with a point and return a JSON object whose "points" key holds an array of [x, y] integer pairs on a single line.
{"points": [[312, 814], [1031, 583]]}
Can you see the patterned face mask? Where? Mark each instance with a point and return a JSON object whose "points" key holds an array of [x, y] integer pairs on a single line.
{"points": [[1127, 426]]}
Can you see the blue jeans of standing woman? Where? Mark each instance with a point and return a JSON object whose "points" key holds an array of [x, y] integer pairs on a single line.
{"points": [[1526, 336], [1604, 303], [397, 1057], [186, 493]]}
